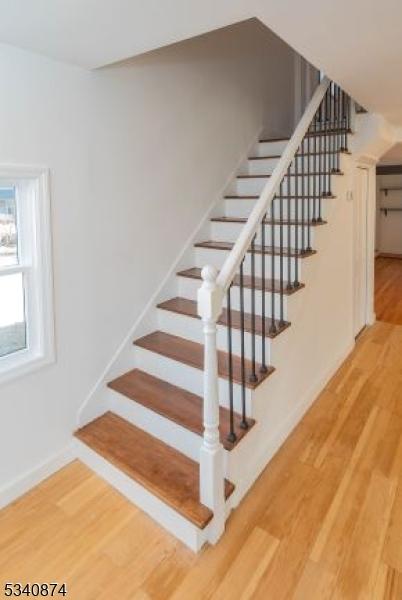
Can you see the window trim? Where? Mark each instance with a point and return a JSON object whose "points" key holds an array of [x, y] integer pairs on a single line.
{"points": [[37, 268]]}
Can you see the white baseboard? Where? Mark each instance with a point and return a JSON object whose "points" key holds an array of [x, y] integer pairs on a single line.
{"points": [[26, 482]]}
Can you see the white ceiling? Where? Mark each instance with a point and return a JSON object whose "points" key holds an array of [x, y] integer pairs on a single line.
{"points": [[93, 33], [356, 42]]}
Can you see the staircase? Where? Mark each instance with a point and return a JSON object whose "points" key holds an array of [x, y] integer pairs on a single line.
{"points": [[179, 427]]}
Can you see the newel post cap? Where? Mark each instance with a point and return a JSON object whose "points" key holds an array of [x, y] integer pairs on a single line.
{"points": [[209, 273], [209, 295]]}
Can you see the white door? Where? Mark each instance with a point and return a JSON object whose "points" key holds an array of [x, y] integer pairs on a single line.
{"points": [[360, 249]]}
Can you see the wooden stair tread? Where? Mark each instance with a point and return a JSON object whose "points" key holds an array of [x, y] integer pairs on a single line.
{"points": [[161, 469], [184, 306], [301, 174], [192, 354], [309, 134], [306, 197], [268, 221], [269, 156], [176, 404], [241, 197], [195, 273], [283, 196], [258, 249]]}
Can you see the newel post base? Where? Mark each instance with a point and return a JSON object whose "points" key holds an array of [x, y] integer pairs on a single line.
{"points": [[212, 480]]}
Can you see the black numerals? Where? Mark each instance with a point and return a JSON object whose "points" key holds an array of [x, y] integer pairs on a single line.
{"points": [[35, 589]]}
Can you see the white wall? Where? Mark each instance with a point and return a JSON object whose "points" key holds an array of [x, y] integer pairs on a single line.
{"points": [[137, 153], [389, 228]]}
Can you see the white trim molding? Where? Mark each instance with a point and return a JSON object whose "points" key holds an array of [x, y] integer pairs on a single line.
{"points": [[35, 263], [45, 469]]}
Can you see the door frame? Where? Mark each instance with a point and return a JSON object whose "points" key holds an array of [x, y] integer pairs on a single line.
{"points": [[368, 164]]}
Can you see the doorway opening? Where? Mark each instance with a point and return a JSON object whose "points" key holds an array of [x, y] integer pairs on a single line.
{"points": [[360, 262], [388, 263]]}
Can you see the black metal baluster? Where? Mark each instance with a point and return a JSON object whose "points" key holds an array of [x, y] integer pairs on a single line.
{"points": [[329, 178], [326, 143], [320, 163], [263, 368], [231, 435], [281, 319], [302, 185], [243, 422], [315, 168], [348, 105], [333, 131], [296, 282], [272, 329], [309, 195], [253, 376], [344, 144], [340, 119], [337, 142], [324, 152], [338, 127], [289, 206]]}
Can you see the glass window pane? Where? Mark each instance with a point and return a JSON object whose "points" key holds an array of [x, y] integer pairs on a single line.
{"points": [[12, 314], [8, 227]]}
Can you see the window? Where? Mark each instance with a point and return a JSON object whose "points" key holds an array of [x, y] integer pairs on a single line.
{"points": [[26, 316]]}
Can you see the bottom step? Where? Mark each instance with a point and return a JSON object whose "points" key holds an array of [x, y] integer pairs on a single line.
{"points": [[160, 469]]}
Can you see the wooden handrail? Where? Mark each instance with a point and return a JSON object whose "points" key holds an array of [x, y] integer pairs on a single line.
{"points": [[232, 263]]}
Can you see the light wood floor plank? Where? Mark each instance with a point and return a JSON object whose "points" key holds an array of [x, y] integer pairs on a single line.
{"points": [[323, 521], [357, 577]]}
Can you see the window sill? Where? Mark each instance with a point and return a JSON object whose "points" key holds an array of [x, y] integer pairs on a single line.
{"points": [[22, 363]]}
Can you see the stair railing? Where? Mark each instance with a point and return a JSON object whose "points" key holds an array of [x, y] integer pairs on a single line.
{"points": [[303, 173]]}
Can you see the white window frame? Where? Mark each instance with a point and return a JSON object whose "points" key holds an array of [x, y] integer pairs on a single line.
{"points": [[35, 263]]}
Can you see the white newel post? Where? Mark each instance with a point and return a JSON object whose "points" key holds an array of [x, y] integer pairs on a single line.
{"points": [[211, 454]]}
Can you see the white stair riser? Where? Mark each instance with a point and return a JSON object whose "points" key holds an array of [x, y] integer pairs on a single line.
{"points": [[207, 256], [187, 377], [238, 207], [191, 329], [270, 148], [188, 289], [164, 429], [255, 185], [229, 232], [171, 520], [265, 166], [235, 302], [247, 186]]}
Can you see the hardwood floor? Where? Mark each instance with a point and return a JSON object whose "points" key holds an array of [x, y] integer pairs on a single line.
{"points": [[388, 290], [323, 521]]}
